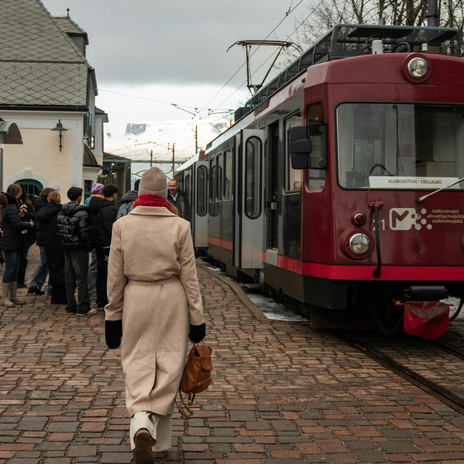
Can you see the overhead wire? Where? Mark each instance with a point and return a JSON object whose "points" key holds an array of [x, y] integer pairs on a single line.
{"points": [[273, 53], [256, 49], [175, 105], [204, 107]]}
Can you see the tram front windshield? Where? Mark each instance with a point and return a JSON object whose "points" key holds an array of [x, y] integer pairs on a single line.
{"points": [[400, 146]]}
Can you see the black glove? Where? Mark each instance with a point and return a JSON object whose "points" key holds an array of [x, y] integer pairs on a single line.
{"points": [[113, 333], [197, 332]]}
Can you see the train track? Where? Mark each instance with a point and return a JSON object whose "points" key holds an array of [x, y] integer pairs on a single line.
{"points": [[448, 348], [445, 395]]}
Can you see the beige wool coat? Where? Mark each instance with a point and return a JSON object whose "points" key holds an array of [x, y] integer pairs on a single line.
{"points": [[152, 251]]}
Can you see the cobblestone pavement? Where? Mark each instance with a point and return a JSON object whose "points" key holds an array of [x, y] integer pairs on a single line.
{"points": [[283, 393], [424, 357]]}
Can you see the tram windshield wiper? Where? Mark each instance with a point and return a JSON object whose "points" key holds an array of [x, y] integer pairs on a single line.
{"points": [[421, 199]]}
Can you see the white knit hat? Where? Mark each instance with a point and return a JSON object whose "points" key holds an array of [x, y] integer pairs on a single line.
{"points": [[154, 182]]}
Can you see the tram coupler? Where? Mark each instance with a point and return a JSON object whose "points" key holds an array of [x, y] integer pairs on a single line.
{"points": [[425, 293]]}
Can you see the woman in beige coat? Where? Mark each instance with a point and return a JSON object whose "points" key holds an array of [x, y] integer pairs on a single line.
{"points": [[154, 301]]}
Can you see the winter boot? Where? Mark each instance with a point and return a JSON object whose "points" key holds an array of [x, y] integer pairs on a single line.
{"points": [[5, 301], [13, 297]]}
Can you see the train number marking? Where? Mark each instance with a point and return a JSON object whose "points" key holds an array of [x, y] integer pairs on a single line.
{"points": [[381, 224]]}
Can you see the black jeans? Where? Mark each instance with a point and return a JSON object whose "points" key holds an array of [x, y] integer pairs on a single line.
{"points": [[76, 266], [102, 276], [25, 245]]}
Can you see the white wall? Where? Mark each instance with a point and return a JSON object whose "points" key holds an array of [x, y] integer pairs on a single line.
{"points": [[39, 157]]}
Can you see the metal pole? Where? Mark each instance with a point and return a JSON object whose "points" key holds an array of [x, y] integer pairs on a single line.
{"points": [[151, 158], [1, 164], [432, 14], [196, 139], [173, 158]]}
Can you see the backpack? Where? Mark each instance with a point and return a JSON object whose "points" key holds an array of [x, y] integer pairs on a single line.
{"points": [[125, 209], [197, 374]]}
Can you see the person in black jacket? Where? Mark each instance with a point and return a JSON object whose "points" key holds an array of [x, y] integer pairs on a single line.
{"points": [[27, 236], [12, 225], [41, 271], [180, 200], [73, 230], [103, 214], [47, 238]]}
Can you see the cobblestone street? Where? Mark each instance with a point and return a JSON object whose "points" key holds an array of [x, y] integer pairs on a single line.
{"points": [[282, 393]]}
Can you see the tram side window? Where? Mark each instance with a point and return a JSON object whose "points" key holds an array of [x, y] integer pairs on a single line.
{"points": [[213, 188], [187, 185], [315, 177], [201, 190], [293, 177], [219, 178], [228, 176], [253, 169]]}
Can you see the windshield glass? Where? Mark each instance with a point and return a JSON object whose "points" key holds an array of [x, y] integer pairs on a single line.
{"points": [[400, 146]]}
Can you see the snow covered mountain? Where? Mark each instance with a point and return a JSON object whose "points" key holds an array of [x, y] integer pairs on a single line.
{"points": [[159, 140]]}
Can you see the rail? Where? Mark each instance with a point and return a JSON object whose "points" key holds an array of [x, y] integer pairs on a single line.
{"points": [[443, 394]]}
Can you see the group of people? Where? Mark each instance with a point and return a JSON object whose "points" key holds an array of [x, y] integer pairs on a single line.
{"points": [[146, 281], [65, 235], [77, 229]]}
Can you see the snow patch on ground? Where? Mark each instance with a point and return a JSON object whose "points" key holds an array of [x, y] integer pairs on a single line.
{"points": [[273, 310], [453, 306], [270, 308]]}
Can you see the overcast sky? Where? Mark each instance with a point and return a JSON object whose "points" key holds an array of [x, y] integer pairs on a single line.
{"points": [[174, 51]]}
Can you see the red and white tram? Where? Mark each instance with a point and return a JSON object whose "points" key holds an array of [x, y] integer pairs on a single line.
{"points": [[372, 118]]}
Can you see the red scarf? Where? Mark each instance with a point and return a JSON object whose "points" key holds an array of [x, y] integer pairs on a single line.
{"points": [[153, 200]]}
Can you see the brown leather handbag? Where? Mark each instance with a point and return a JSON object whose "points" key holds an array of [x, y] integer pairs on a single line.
{"points": [[197, 375]]}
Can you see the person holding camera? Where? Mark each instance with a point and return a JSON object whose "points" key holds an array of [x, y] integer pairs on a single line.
{"points": [[11, 243], [27, 213]]}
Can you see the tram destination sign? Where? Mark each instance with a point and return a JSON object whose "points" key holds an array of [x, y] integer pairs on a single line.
{"points": [[403, 182]]}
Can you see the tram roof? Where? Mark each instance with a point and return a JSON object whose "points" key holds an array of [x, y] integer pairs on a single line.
{"points": [[188, 163], [347, 40]]}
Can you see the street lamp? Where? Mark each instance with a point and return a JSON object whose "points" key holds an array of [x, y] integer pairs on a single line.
{"points": [[59, 127]]}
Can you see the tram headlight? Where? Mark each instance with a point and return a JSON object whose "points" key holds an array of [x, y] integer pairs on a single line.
{"points": [[359, 244], [418, 68]]}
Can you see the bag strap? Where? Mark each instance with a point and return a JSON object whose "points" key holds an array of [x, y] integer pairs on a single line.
{"points": [[182, 411], [184, 406]]}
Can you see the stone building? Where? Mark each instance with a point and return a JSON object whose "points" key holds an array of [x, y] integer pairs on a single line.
{"points": [[48, 88]]}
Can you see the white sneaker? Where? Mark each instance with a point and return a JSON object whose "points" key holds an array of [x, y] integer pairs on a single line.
{"points": [[88, 313]]}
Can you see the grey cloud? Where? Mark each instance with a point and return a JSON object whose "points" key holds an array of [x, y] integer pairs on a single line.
{"points": [[176, 42]]}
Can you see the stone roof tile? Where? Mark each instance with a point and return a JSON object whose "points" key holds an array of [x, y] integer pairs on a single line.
{"points": [[39, 63]]}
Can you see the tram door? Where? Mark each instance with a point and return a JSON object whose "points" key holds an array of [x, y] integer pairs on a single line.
{"points": [[200, 204], [237, 200], [272, 187], [250, 204]]}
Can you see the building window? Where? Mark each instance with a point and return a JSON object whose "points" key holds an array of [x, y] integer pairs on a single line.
{"points": [[87, 189], [88, 130], [32, 187]]}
